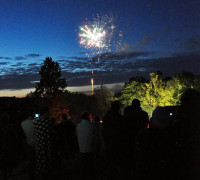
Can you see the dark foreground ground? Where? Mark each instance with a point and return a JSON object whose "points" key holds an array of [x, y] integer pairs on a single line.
{"points": [[71, 170]]}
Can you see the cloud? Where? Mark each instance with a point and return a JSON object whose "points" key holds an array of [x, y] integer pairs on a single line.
{"points": [[7, 58], [145, 41], [79, 58], [121, 55], [125, 47], [20, 58], [4, 63], [193, 43], [33, 55], [18, 81], [62, 57], [177, 63], [33, 64], [18, 64]]}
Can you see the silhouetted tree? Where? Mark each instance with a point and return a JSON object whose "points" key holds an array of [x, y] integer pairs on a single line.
{"points": [[51, 81]]}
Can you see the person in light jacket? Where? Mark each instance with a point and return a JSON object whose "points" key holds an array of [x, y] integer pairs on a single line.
{"points": [[85, 134]]}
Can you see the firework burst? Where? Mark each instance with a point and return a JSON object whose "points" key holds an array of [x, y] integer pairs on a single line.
{"points": [[98, 35], [92, 38]]}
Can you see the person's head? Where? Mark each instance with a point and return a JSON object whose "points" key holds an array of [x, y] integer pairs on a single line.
{"points": [[190, 99], [190, 106], [136, 104], [85, 115], [115, 106], [160, 118], [127, 110]]}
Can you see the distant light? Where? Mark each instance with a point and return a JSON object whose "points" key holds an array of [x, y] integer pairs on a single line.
{"points": [[92, 83]]}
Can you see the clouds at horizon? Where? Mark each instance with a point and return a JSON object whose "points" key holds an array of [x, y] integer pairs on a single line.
{"points": [[111, 68]]}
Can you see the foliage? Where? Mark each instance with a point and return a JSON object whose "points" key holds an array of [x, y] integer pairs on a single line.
{"points": [[136, 88], [104, 98], [51, 82], [158, 91], [50, 91]]}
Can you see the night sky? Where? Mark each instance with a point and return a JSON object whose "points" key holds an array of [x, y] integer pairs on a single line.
{"points": [[157, 35]]}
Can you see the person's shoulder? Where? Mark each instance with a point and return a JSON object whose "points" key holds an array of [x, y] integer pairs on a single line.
{"points": [[89, 123], [26, 122], [81, 123], [144, 112]]}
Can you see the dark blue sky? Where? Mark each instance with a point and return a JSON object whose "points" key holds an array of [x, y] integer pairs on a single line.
{"points": [[157, 35]]}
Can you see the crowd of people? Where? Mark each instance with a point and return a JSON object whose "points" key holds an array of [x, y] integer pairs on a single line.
{"points": [[131, 145]]}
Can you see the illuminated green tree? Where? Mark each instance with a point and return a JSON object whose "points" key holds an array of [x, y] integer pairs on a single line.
{"points": [[158, 91], [154, 91], [136, 88]]}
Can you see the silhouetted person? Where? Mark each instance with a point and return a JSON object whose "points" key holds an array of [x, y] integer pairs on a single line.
{"points": [[97, 136], [44, 130], [135, 120], [129, 144], [85, 134], [27, 127], [113, 137], [8, 146], [187, 130], [157, 149], [159, 118], [16, 117], [140, 117], [66, 136]]}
